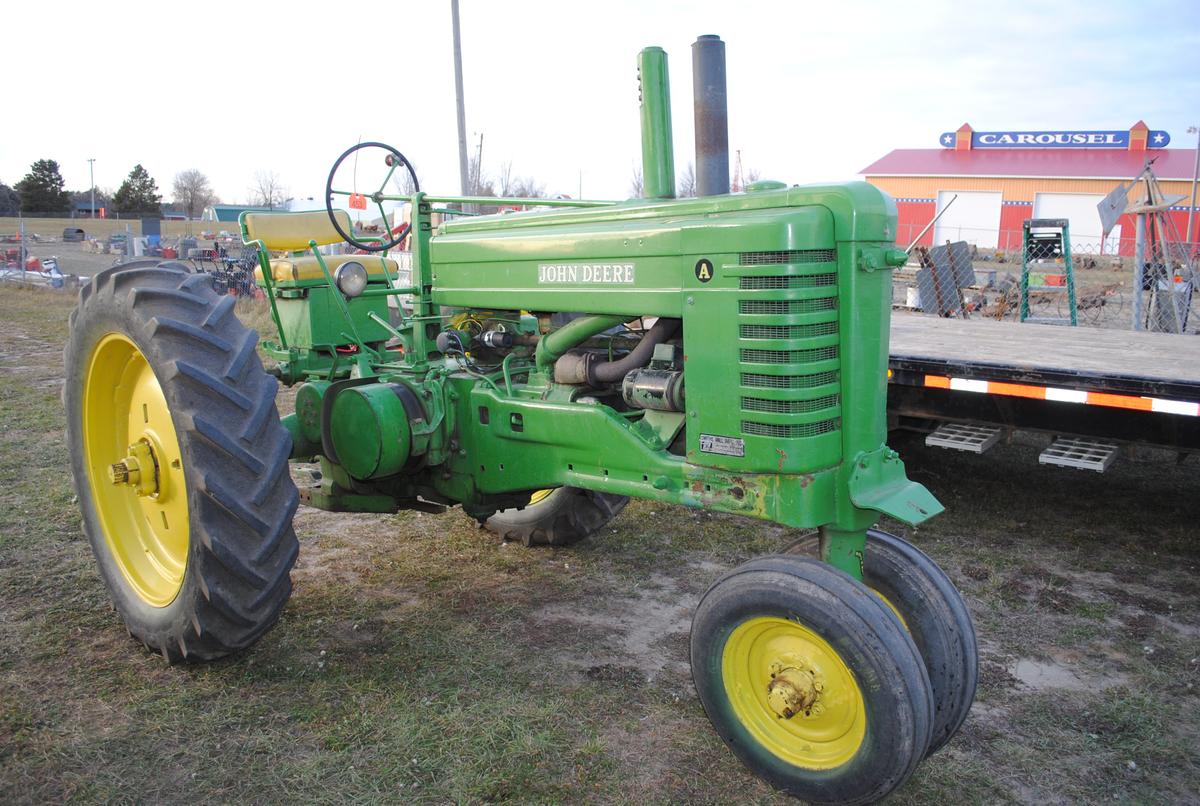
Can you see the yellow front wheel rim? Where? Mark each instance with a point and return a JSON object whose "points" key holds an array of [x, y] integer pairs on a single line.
{"points": [[828, 728], [893, 608], [144, 513]]}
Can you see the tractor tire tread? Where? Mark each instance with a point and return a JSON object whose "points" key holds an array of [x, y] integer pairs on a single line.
{"points": [[830, 597], [241, 497], [944, 632]]}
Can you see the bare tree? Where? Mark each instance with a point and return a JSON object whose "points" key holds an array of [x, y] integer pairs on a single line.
{"points": [[267, 191], [526, 187], [636, 186], [192, 192], [480, 184], [505, 179], [753, 175], [407, 186], [687, 183], [518, 187]]}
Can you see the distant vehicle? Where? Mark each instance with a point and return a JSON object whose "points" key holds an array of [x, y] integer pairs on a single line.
{"points": [[44, 272], [73, 234]]}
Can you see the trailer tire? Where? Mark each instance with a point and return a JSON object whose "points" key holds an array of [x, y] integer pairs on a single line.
{"points": [[194, 536], [559, 517], [936, 616], [811, 680]]}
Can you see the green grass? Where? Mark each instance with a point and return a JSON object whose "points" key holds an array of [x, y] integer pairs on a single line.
{"points": [[421, 661]]}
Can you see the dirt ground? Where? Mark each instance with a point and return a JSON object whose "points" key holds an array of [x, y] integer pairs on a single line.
{"points": [[422, 660]]}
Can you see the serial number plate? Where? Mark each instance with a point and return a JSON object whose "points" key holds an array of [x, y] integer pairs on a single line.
{"points": [[726, 446]]}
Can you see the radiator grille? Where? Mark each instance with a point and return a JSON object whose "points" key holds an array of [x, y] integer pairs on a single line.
{"points": [[792, 430], [756, 381], [786, 256], [784, 307], [808, 367], [789, 406], [753, 356], [788, 331], [779, 283]]}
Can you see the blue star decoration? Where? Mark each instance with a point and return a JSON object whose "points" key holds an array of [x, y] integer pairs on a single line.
{"points": [[947, 139], [1158, 138]]}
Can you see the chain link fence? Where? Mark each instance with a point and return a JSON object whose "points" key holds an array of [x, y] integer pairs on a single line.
{"points": [[979, 275]]}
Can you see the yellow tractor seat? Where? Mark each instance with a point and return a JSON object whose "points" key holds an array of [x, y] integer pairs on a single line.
{"points": [[298, 268], [291, 232]]}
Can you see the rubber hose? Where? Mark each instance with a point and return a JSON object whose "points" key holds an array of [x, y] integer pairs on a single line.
{"points": [[553, 345], [613, 371]]}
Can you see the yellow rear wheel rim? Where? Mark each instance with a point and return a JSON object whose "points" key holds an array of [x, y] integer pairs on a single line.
{"points": [[825, 735], [540, 495], [125, 414]]}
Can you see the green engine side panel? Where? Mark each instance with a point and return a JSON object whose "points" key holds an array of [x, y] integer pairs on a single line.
{"points": [[758, 280], [632, 260]]}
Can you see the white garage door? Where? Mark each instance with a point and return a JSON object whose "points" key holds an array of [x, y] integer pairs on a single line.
{"points": [[1080, 210], [974, 217]]}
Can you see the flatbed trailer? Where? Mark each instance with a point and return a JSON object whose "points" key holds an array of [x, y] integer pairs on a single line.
{"points": [[1109, 385]]}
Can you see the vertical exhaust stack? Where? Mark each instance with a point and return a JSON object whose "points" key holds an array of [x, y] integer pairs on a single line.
{"points": [[658, 153], [712, 116]]}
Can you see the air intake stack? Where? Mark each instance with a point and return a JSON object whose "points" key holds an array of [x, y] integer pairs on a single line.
{"points": [[658, 153]]}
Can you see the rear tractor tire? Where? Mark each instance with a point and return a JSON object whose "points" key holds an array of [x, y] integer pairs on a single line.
{"points": [[558, 517], [180, 462], [933, 612], [811, 680]]}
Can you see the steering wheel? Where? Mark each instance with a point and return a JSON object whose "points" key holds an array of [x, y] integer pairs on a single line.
{"points": [[394, 160]]}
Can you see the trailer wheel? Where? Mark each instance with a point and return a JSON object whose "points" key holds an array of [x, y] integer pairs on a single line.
{"points": [[180, 462], [810, 680], [936, 616], [557, 517]]}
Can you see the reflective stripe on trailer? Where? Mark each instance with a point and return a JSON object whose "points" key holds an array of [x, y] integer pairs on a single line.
{"points": [[1154, 404]]}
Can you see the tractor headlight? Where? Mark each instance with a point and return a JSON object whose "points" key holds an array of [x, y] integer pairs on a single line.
{"points": [[351, 278]]}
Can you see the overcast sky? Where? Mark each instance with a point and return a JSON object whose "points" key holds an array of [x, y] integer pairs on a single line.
{"points": [[817, 91]]}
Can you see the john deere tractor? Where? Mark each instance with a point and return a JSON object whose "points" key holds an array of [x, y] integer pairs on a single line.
{"points": [[537, 369]]}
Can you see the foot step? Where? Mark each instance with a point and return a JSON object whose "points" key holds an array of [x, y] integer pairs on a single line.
{"points": [[1082, 454], [963, 437]]}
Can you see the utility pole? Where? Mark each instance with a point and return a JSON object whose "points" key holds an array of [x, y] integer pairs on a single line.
{"points": [[92, 182], [458, 94], [1195, 175]]}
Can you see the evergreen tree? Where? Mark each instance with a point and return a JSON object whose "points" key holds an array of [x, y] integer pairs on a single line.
{"points": [[42, 191], [10, 202], [138, 195]]}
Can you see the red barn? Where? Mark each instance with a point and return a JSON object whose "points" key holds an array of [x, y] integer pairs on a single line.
{"points": [[1003, 178]]}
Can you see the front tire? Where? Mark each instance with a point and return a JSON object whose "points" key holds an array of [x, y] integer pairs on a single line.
{"points": [[935, 615], [811, 680], [180, 462]]}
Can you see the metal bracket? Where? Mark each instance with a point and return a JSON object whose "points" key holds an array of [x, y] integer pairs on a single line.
{"points": [[878, 482]]}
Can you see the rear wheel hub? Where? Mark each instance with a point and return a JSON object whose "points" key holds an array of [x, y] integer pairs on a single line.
{"points": [[135, 470]]}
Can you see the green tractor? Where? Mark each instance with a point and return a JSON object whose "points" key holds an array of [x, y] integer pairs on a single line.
{"points": [[538, 369]]}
